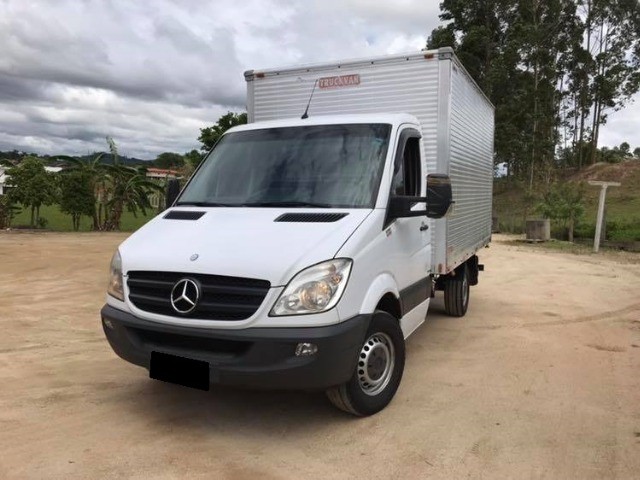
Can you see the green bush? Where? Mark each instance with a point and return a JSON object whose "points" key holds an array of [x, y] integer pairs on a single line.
{"points": [[618, 231], [585, 230]]}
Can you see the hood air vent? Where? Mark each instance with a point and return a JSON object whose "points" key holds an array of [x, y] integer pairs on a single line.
{"points": [[183, 215], [310, 217]]}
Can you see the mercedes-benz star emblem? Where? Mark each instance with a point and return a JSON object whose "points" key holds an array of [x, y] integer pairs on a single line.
{"points": [[185, 295]]}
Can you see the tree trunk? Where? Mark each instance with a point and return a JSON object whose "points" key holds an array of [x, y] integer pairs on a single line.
{"points": [[96, 221], [597, 111], [33, 213], [585, 88], [535, 123], [570, 230], [116, 214]]}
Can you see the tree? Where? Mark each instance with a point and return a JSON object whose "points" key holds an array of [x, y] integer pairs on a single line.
{"points": [[32, 186], [126, 188], [554, 70], [636, 152], [116, 187], [192, 160], [169, 160], [76, 195], [93, 171], [210, 135], [615, 73], [7, 211], [442, 36], [563, 202]]}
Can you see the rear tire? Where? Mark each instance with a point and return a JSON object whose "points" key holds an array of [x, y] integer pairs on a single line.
{"points": [[378, 372], [456, 293]]}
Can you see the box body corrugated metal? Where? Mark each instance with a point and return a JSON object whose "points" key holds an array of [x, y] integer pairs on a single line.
{"points": [[457, 127]]}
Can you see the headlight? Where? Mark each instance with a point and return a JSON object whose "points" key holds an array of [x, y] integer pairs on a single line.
{"points": [[115, 288], [315, 289]]}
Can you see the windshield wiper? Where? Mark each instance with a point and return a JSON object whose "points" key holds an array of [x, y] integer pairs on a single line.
{"points": [[207, 204], [289, 204]]}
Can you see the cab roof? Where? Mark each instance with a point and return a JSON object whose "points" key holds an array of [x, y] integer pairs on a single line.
{"points": [[393, 119]]}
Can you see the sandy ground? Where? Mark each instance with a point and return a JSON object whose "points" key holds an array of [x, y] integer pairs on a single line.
{"points": [[541, 379]]}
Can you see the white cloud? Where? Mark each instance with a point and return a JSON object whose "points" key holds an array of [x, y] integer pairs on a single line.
{"points": [[622, 126], [151, 74]]}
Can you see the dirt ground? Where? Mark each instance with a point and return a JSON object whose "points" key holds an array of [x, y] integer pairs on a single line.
{"points": [[541, 379]]}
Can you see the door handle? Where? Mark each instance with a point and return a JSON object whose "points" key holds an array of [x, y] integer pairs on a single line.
{"points": [[424, 227]]}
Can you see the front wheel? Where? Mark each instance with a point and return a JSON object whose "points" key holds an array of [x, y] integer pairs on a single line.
{"points": [[378, 372]]}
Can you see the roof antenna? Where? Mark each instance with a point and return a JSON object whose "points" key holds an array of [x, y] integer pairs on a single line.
{"points": [[306, 110]]}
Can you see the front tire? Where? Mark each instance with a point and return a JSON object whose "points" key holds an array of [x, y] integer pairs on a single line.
{"points": [[378, 372], [456, 293]]}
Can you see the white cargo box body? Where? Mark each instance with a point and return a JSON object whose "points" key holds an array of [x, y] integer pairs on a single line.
{"points": [[457, 126]]}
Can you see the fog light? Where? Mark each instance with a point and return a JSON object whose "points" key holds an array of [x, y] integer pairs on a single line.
{"points": [[107, 323], [306, 349]]}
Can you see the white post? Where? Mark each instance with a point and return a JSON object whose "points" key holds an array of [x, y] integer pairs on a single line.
{"points": [[603, 197]]}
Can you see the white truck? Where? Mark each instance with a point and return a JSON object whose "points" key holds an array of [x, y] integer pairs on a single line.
{"points": [[305, 249]]}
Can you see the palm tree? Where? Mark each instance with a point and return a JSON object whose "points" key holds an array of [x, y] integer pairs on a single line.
{"points": [[127, 187], [115, 187]]}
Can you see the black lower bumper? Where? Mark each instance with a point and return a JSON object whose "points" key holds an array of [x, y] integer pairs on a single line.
{"points": [[252, 357]]}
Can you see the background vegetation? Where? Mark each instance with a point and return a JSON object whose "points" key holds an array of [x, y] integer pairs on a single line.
{"points": [[554, 69]]}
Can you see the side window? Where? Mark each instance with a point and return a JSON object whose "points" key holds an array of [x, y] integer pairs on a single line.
{"points": [[397, 186], [412, 167], [406, 175]]}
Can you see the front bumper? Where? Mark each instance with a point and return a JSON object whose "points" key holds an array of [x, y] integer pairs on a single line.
{"points": [[252, 357]]}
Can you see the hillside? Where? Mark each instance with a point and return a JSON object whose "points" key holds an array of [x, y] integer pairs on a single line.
{"points": [[512, 204]]}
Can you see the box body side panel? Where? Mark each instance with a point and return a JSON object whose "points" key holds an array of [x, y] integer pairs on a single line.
{"points": [[470, 166]]}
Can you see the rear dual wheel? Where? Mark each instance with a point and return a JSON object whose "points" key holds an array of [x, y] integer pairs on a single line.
{"points": [[378, 372], [456, 292]]}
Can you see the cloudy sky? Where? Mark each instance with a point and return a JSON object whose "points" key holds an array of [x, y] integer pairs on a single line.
{"points": [[151, 74]]}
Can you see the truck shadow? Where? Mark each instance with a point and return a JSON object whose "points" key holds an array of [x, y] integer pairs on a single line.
{"points": [[240, 412], [233, 412]]}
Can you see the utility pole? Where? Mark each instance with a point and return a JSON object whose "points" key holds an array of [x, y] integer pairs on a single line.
{"points": [[603, 196]]}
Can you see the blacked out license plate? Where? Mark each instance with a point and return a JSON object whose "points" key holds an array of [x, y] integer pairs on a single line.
{"points": [[179, 370]]}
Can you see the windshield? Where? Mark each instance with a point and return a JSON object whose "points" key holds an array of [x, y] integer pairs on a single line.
{"points": [[315, 166]]}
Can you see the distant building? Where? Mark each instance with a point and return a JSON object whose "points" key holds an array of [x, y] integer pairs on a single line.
{"points": [[5, 183], [160, 176], [3, 180], [162, 173]]}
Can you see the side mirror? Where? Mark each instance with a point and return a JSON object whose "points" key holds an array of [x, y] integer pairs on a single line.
{"points": [[400, 207], [439, 195], [173, 190]]}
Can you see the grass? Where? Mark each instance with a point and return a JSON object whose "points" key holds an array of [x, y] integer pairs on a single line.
{"points": [[61, 222], [557, 245], [580, 248], [512, 204]]}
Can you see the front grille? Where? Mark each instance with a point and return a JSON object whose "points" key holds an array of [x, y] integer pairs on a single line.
{"points": [[222, 298]]}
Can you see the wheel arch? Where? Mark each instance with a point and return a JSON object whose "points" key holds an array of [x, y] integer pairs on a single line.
{"points": [[383, 294]]}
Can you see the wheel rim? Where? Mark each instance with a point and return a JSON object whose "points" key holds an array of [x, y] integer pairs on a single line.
{"points": [[375, 364]]}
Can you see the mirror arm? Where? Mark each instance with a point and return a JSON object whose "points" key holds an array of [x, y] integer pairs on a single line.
{"points": [[413, 199], [415, 213]]}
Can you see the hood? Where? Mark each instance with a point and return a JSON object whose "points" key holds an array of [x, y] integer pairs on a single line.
{"points": [[238, 242]]}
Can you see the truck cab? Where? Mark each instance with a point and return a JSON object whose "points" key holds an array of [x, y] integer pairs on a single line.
{"points": [[298, 256]]}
